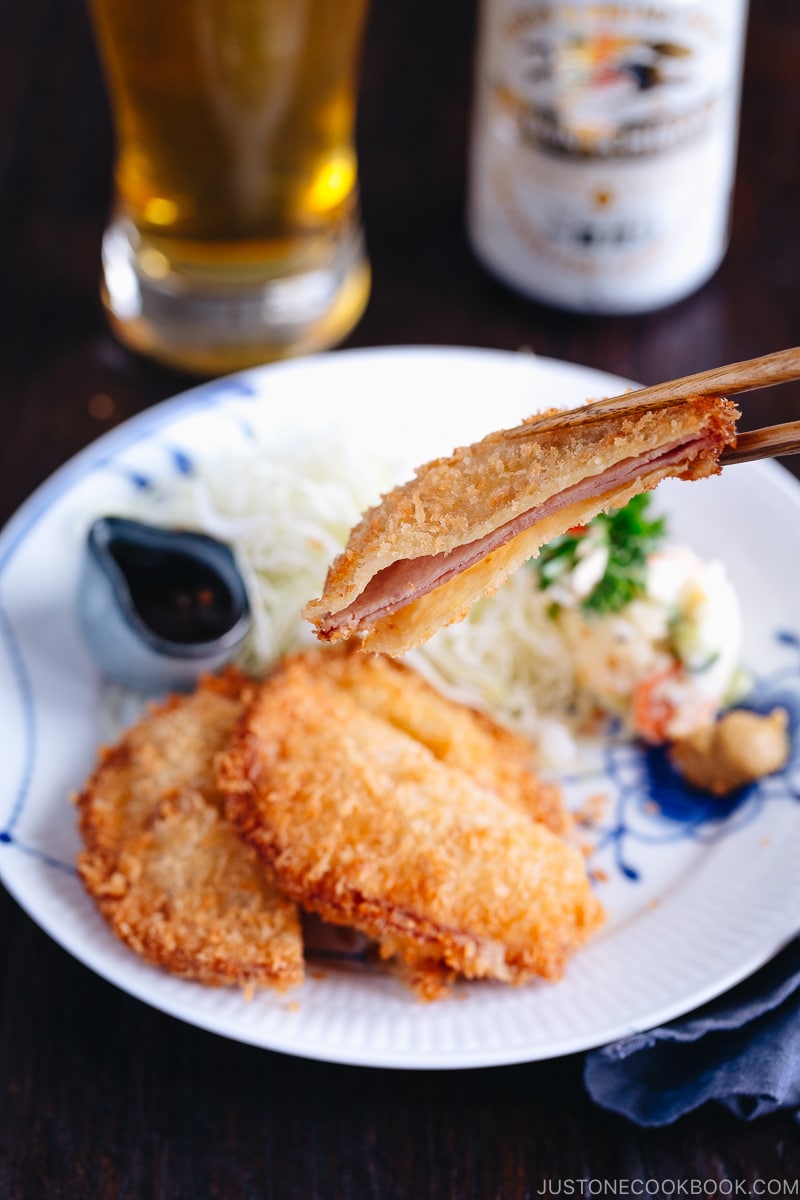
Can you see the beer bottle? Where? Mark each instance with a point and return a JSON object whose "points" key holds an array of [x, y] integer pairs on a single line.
{"points": [[603, 147]]}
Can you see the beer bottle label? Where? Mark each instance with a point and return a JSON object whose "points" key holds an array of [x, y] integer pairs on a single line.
{"points": [[603, 148]]}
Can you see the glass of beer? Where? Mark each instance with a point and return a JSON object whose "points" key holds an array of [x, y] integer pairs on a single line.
{"points": [[236, 236]]}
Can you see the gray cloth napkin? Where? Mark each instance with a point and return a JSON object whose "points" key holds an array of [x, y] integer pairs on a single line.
{"points": [[741, 1050]]}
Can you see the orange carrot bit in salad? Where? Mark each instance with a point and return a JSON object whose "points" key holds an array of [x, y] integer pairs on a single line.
{"points": [[652, 709]]}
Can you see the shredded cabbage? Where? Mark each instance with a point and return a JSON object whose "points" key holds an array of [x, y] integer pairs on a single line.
{"points": [[506, 656]]}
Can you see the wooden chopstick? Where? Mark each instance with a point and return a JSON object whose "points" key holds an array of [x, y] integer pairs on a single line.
{"points": [[770, 442], [769, 369]]}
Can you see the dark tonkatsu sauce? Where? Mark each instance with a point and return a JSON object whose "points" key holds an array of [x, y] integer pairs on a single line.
{"points": [[177, 597]]}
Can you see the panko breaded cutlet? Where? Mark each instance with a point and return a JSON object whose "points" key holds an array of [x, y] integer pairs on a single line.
{"points": [[363, 825], [167, 872], [455, 734], [455, 532]]}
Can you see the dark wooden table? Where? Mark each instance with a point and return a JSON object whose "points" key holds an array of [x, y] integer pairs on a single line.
{"points": [[101, 1096]]}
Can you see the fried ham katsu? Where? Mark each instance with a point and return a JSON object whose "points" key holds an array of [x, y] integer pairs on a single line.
{"points": [[456, 531], [365, 826], [455, 734], [167, 872]]}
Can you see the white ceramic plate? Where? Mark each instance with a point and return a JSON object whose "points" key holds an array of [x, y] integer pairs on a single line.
{"points": [[698, 896]]}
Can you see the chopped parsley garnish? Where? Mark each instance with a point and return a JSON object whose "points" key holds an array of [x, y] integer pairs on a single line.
{"points": [[628, 535]]}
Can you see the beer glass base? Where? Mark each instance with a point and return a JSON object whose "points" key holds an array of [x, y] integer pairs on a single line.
{"points": [[217, 325]]}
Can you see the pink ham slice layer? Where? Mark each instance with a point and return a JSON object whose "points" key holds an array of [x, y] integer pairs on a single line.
{"points": [[407, 579]]}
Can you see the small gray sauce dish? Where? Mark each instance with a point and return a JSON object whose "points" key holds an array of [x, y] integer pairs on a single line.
{"points": [[158, 607]]}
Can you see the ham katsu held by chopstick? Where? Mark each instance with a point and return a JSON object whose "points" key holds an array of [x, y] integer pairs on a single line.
{"points": [[455, 532]]}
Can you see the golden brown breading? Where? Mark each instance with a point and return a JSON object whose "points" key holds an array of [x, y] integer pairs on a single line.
{"points": [[455, 532], [455, 734], [363, 825], [162, 863]]}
